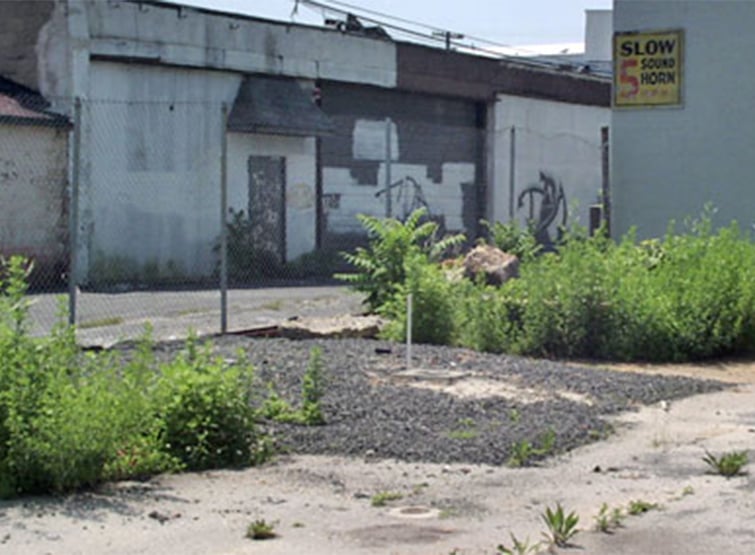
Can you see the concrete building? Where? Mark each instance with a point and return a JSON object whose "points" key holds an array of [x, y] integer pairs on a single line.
{"points": [[174, 98], [671, 158], [33, 180]]}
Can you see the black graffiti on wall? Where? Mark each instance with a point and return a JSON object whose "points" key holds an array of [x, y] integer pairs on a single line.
{"points": [[546, 205]]}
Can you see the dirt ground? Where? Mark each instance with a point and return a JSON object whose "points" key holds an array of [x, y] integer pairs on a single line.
{"points": [[322, 505]]}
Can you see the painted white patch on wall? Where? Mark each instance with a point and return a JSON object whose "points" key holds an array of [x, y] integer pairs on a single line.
{"points": [[344, 198], [369, 138]]}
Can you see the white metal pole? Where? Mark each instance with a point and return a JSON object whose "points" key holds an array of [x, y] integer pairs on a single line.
{"points": [[512, 172], [388, 156], [223, 223], [73, 214], [409, 331]]}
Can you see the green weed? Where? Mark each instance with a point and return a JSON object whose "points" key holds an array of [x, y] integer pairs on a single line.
{"points": [[312, 390], [382, 498], [523, 452], [562, 527], [513, 239], [465, 430], [638, 507], [728, 464], [607, 520], [519, 547], [261, 530], [688, 295]]}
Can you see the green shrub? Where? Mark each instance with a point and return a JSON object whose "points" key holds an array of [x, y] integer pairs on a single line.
{"points": [[205, 405], [513, 239], [433, 304], [70, 419], [488, 318], [689, 296], [381, 267], [567, 300]]}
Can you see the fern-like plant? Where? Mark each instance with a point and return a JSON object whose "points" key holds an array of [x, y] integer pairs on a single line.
{"points": [[380, 267]]}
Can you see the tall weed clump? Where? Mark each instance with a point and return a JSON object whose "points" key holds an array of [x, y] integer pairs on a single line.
{"points": [[488, 318], [381, 268], [70, 419], [205, 406], [698, 293], [687, 296], [567, 298], [433, 304]]}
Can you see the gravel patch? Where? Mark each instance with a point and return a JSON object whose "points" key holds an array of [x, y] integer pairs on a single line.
{"points": [[371, 413]]}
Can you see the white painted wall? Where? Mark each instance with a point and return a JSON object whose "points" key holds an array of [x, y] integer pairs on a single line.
{"points": [[556, 137], [32, 191], [668, 162], [151, 174], [299, 153]]}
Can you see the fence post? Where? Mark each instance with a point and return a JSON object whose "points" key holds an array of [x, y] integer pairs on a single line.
{"points": [[512, 170], [606, 178], [73, 213], [388, 157], [223, 223]]}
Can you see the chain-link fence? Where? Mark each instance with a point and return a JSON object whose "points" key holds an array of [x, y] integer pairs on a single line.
{"points": [[159, 211]]}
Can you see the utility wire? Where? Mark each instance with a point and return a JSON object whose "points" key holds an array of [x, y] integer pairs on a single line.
{"points": [[334, 8]]}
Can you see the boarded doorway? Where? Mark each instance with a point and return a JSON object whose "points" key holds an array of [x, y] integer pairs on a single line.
{"points": [[267, 204]]}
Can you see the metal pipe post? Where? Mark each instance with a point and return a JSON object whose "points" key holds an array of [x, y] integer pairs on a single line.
{"points": [[409, 331], [388, 156], [73, 213], [512, 171], [223, 223], [606, 175]]}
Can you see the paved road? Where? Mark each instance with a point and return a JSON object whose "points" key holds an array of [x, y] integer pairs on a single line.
{"points": [[106, 318]]}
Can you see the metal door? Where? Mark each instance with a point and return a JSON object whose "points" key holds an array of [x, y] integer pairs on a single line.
{"points": [[267, 204]]}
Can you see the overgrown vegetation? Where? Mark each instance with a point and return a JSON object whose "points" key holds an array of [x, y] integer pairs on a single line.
{"points": [[687, 296], [70, 419], [382, 266]]}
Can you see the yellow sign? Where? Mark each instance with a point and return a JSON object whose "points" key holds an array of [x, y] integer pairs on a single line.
{"points": [[647, 69]]}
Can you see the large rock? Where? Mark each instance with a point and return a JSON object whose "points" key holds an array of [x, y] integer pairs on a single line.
{"points": [[497, 266]]}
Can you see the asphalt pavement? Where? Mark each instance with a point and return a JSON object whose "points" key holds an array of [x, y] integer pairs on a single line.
{"points": [[104, 319]]}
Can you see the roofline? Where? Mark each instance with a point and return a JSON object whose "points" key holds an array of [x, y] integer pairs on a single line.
{"points": [[517, 60]]}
